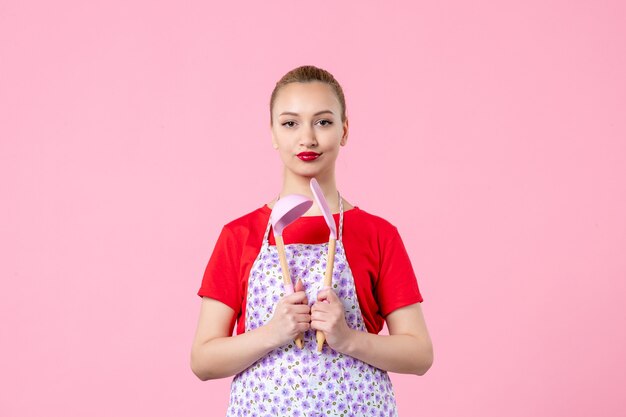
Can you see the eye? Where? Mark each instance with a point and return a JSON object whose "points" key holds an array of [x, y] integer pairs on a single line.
{"points": [[289, 123], [325, 122]]}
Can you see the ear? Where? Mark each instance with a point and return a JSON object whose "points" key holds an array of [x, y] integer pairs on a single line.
{"points": [[344, 137]]}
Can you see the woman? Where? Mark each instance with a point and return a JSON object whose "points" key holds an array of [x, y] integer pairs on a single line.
{"points": [[373, 282]]}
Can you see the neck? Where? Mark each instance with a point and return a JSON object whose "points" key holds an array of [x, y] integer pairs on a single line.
{"points": [[297, 184]]}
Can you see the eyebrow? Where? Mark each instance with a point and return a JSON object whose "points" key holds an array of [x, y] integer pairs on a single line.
{"points": [[296, 114]]}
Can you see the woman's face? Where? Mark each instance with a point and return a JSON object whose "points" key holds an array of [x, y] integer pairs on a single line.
{"points": [[307, 129]]}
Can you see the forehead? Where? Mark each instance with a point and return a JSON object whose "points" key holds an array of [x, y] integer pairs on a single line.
{"points": [[306, 97]]}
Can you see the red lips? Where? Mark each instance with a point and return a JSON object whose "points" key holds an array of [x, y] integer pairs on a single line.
{"points": [[308, 156]]}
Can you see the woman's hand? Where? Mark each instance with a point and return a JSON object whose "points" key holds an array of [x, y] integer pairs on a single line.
{"points": [[292, 316], [327, 315]]}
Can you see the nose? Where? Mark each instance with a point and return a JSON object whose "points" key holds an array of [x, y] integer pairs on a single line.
{"points": [[307, 137]]}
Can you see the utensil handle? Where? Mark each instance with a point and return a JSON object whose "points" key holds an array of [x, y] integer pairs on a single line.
{"points": [[287, 282], [282, 256], [328, 281]]}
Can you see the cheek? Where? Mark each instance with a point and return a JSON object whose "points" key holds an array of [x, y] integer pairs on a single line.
{"points": [[328, 139], [333, 145], [286, 156]]}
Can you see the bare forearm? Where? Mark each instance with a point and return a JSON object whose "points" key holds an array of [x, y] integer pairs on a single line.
{"points": [[227, 356], [404, 354]]}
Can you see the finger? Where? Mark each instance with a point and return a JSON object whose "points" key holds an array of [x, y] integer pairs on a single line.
{"points": [[332, 297], [322, 316], [321, 306], [319, 325], [296, 298], [303, 327], [327, 294], [300, 309], [300, 287], [295, 309], [303, 318]]}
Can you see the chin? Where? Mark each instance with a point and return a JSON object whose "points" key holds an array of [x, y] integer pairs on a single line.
{"points": [[309, 172]]}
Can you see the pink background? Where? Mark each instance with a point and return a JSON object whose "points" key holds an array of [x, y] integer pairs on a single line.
{"points": [[491, 134]]}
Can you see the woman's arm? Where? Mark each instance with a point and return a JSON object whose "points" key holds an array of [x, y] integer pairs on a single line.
{"points": [[407, 350], [214, 353], [217, 354]]}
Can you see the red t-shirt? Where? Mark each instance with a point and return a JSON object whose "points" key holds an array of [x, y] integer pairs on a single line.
{"points": [[382, 271]]}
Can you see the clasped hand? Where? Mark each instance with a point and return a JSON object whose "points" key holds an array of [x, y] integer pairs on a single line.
{"points": [[293, 316]]}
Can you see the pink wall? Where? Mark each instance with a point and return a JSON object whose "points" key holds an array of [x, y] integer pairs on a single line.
{"points": [[492, 135]]}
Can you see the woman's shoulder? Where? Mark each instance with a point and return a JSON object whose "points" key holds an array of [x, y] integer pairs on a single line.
{"points": [[369, 222], [250, 220]]}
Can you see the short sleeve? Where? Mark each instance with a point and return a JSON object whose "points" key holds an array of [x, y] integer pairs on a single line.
{"points": [[221, 276], [397, 284]]}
